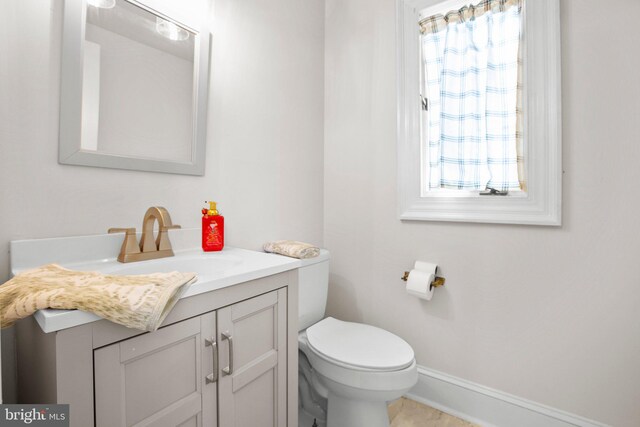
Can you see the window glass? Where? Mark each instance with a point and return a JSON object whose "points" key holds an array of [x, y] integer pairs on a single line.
{"points": [[471, 120]]}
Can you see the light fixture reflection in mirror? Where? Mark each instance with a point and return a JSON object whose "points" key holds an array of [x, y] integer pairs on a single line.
{"points": [[171, 30], [102, 4], [137, 99], [150, 112]]}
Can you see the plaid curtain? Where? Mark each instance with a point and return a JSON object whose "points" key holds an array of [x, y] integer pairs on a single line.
{"points": [[471, 136]]}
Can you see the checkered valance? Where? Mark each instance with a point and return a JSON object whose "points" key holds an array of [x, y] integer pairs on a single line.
{"points": [[435, 23]]}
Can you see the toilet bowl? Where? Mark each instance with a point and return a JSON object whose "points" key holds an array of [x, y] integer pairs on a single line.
{"points": [[357, 368], [348, 371]]}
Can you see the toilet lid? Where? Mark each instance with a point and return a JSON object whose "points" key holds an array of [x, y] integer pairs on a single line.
{"points": [[359, 345]]}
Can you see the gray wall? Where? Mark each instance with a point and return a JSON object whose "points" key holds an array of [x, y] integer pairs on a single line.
{"points": [[547, 314], [264, 147]]}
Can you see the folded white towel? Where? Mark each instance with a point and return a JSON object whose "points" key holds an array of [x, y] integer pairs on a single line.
{"points": [[292, 249]]}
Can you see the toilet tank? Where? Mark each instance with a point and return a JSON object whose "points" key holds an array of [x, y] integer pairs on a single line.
{"points": [[313, 285]]}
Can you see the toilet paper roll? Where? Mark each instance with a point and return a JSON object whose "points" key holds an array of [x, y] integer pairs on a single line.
{"points": [[420, 278]]}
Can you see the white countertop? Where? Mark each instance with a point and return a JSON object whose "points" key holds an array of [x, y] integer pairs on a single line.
{"points": [[215, 270]]}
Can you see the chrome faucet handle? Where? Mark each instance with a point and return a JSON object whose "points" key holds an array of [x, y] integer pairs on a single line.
{"points": [[129, 245], [163, 242]]}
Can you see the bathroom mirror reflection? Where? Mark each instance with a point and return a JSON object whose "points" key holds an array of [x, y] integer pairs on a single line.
{"points": [[134, 87]]}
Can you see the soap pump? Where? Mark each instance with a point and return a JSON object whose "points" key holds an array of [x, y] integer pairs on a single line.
{"points": [[212, 229]]}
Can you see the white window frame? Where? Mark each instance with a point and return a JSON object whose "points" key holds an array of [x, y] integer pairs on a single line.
{"points": [[542, 130]]}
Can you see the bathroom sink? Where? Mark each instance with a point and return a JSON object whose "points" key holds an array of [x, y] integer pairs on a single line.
{"points": [[214, 270], [205, 265]]}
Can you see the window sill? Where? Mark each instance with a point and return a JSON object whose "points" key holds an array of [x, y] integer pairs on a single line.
{"points": [[519, 209], [456, 194]]}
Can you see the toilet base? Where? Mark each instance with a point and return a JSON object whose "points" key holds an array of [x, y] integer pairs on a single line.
{"points": [[343, 412]]}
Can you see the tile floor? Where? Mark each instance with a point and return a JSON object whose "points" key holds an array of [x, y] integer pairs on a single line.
{"points": [[408, 413]]}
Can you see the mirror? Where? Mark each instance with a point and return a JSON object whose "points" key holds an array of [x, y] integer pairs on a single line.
{"points": [[134, 84]]}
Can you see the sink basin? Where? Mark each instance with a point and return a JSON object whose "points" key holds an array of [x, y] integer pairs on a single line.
{"points": [[205, 265], [215, 270]]}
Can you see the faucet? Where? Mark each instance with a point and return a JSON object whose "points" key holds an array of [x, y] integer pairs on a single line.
{"points": [[149, 248]]}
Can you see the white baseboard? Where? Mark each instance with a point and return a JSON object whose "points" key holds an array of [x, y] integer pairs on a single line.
{"points": [[485, 406]]}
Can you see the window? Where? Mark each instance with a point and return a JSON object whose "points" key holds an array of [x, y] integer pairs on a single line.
{"points": [[479, 111]]}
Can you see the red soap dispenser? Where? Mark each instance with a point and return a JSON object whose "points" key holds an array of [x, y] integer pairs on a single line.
{"points": [[212, 229]]}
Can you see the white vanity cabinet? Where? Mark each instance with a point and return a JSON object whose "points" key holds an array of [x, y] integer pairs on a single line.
{"points": [[224, 358]]}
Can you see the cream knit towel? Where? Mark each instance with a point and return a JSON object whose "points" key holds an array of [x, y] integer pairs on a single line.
{"points": [[140, 302], [292, 248]]}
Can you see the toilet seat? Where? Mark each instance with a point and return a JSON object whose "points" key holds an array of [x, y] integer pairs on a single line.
{"points": [[358, 346], [368, 380]]}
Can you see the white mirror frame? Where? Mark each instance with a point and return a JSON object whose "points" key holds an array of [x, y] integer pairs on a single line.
{"points": [[543, 133], [70, 150]]}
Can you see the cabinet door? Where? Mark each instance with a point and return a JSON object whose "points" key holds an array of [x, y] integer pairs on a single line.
{"points": [[158, 379], [252, 388]]}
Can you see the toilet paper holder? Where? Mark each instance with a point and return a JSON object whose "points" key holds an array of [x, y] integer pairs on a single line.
{"points": [[438, 281]]}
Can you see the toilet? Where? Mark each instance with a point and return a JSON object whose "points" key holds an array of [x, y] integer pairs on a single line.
{"points": [[348, 372]]}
